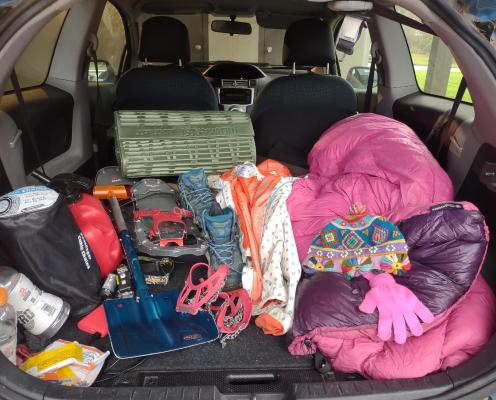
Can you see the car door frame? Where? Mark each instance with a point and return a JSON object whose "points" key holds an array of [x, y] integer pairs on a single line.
{"points": [[67, 71]]}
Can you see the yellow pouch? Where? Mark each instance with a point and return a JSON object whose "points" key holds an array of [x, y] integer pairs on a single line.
{"points": [[47, 358]]}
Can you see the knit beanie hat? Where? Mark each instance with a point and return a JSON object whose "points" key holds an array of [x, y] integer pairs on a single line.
{"points": [[358, 243]]}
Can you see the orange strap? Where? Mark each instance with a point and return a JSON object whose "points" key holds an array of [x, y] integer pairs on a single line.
{"points": [[269, 325]]}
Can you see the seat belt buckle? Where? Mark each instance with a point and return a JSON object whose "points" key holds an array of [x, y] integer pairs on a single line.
{"points": [[455, 147]]}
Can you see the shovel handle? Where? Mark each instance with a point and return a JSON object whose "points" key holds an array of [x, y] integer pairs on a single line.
{"points": [[130, 253], [118, 217]]}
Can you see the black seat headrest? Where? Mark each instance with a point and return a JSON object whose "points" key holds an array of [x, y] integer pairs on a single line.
{"points": [[164, 39], [309, 42], [165, 88]]}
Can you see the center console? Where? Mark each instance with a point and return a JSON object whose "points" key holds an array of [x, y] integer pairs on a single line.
{"points": [[235, 84], [236, 94]]}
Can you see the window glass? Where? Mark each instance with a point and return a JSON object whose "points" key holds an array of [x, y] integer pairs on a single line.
{"points": [[111, 44], [271, 45], [241, 48], [355, 68], [33, 65], [435, 68]]}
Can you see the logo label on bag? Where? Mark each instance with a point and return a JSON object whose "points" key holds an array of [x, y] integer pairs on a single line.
{"points": [[446, 205], [26, 200], [85, 251]]}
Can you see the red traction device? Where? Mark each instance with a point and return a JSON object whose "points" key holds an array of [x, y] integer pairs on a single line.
{"points": [[97, 228], [176, 229]]}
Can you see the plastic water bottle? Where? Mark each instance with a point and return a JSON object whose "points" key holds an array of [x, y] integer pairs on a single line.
{"points": [[8, 327], [41, 313]]}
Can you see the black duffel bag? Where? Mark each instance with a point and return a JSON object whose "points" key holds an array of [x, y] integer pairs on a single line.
{"points": [[39, 237]]}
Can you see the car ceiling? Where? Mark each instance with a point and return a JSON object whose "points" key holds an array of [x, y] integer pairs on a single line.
{"points": [[269, 13]]}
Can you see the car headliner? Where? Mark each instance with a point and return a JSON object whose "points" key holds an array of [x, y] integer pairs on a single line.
{"points": [[269, 13]]}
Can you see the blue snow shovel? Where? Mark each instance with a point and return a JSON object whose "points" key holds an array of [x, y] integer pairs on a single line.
{"points": [[149, 324]]}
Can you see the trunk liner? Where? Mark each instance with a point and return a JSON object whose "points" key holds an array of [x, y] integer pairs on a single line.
{"points": [[239, 381], [251, 351]]}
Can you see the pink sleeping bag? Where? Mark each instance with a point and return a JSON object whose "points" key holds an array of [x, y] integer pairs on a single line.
{"points": [[369, 159], [381, 163]]}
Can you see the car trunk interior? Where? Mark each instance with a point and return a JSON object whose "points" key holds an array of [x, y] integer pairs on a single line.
{"points": [[253, 362], [259, 363], [253, 365]]}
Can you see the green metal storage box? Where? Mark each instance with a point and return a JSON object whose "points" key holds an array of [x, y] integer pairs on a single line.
{"points": [[162, 143]]}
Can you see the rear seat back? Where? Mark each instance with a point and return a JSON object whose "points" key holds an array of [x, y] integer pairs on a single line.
{"points": [[292, 112], [164, 40]]}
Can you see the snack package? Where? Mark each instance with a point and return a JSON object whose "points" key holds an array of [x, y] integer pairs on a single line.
{"points": [[66, 363]]}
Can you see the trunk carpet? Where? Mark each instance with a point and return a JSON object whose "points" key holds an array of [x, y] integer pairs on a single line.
{"points": [[251, 350]]}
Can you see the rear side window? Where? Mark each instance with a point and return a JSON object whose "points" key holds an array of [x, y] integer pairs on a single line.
{"points": [[33, 65], [111, 45], [435, 68]]}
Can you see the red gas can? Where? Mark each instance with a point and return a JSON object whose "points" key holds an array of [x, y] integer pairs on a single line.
{"points": [[97, 228]]}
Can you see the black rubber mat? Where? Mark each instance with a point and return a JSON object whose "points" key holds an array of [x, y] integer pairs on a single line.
{"points": [[226, 381], [252, 349]]}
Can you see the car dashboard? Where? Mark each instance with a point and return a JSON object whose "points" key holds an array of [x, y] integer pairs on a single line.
{"points": [[236, 84]]}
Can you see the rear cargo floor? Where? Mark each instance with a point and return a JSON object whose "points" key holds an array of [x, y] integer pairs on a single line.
{"points": [[253, 358]]}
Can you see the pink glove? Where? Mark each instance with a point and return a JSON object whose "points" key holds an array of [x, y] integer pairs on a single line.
{"points": [[397, 305]]}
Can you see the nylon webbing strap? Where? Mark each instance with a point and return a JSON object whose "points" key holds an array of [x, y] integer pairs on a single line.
{"points": [[99, 133], [26, 126], [444, 123], [370, 83], [402, 19], [444, 139]]}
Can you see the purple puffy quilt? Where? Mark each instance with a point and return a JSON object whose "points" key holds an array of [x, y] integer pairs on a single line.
{"points": [[447, 248], [379, 162]]}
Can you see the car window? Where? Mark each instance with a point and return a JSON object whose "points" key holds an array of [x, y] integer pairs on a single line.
{"points": [[262, 45], [111, 45], [355, 68], [241, 48], [435, 68], [33, 65]]}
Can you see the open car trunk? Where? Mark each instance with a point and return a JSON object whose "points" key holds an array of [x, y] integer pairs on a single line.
{"points": [[255, 364]]}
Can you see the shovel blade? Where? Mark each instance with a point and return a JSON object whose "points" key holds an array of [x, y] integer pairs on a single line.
{"points": [[152, 326]]}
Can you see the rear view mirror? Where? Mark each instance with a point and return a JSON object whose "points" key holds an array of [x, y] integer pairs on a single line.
{"points": [[231, 27]]}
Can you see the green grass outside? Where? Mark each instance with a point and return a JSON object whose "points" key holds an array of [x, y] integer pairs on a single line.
{"points": [[453, 82], [423, 59]]}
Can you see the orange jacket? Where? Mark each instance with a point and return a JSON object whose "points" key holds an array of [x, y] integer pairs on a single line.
{"points": [[250, 197]]}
